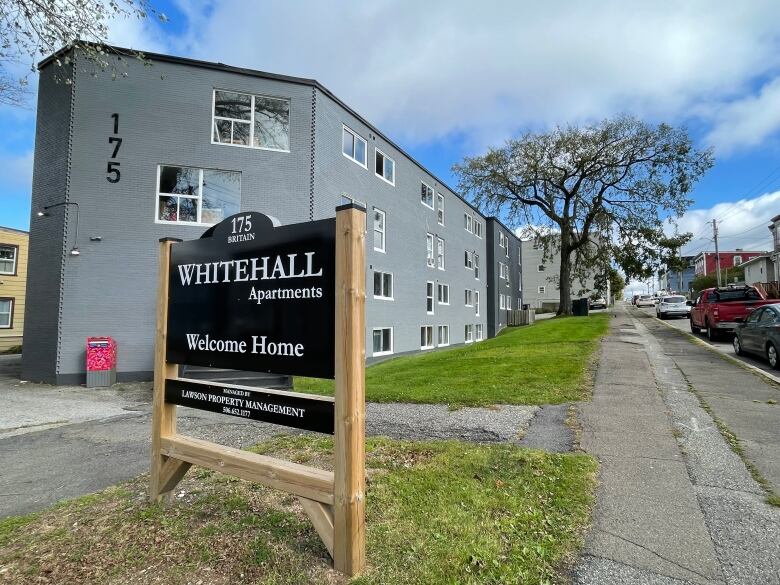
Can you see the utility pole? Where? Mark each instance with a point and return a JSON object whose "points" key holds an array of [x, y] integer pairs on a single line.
{"points": [[717, 253]]}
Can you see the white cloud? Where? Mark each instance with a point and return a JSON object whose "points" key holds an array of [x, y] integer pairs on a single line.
{"points": [[741, 224], [424, 70]]}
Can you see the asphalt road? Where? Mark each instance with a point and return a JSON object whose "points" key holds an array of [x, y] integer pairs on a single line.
{"points": [[723, 345]]}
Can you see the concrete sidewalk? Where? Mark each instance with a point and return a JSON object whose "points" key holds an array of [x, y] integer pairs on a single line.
{"points": [[675, 504]]}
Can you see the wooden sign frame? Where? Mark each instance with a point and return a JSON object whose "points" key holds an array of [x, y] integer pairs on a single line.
{"points": [[334, 501]]}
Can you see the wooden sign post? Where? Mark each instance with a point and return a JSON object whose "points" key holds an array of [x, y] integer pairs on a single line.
{"points": [[246, 320]]}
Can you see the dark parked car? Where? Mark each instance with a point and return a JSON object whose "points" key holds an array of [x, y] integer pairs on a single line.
{"points": [[760, 334]]}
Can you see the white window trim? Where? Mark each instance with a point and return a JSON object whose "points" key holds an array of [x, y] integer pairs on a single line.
{"points": [[541, 268], [392, 341], [468, 254], [430, 261], [384, 232], [15, 265], [199, 198], [440, 210], [443, 264], [476, 302], [12, 302], [345, 128], [432, 297], [377, 150], [433, 197], [442, 285], [475, 223], [433, 342], [479, 332], [251, 120], [392, 287], [475, 265], [447, 328], [466, 339], [542, 290], [471, 297]]}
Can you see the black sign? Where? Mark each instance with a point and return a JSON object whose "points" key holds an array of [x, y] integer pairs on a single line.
{"points": [[281, 408], [254, 295]]}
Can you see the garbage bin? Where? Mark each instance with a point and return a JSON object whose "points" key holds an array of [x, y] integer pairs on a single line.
{"points": [[579, 307], [101, 362]]}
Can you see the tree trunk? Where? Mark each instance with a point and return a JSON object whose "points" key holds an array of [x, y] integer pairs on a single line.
{"points": [[564, 278]]}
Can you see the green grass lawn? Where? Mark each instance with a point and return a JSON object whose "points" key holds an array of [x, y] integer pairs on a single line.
{"points": [[437, 513], [545, 363]]}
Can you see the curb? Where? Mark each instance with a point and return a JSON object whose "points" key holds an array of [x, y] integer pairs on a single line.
{"points": [[756, 370]]}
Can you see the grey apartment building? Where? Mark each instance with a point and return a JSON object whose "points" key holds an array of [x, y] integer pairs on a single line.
{"points": [[181, 144]]}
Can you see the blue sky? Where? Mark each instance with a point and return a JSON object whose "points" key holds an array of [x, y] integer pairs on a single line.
{"points": [[447, 79]]}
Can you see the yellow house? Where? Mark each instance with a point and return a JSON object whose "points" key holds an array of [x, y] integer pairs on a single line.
{"points": [[13, 282]]}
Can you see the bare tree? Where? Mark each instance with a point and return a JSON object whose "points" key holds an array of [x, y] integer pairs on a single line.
{"points": [[32, 29], [611, 185]]}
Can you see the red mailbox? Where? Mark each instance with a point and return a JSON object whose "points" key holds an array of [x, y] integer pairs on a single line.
{"points": [[101, 362]]}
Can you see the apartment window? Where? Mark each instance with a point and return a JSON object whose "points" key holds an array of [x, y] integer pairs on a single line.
{"points": [[737, 260], [476, 303], [480, 335], [501, 240], [6, 313], [469, 333], [8, 254], [444, 335], [478, 229], [443, 294], [541, 268], [469, 259], [476, 266], [542, 290], [379, 230], [469, 298], [383, 285], [251, 120], [429, 297], [503, 270], [426, 195], [384, 166], [383, 340], [468, 222], [353, 146], [501, 301], [196, 196], [426, 337], [429, 250], [506, 250], [440, 209], [440, 253]]}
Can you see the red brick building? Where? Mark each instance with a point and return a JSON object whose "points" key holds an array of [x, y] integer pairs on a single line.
{"points": [[705, 263]]}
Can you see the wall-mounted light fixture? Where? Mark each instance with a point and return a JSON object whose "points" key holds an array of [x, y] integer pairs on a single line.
{"points": [[44, 212]]}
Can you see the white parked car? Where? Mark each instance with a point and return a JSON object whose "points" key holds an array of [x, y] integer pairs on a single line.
{"points": [[599, 303], [672, 306], [645, 301]]}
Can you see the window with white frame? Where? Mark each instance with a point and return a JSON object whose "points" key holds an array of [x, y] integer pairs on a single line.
{"points": [[426, 194], [196, 196], [506, 250], [541, 290], [429, 308], [353, 146], [426, 337], [476, 303], [737, 260], [384, 166], [502, 240], [6, 313], [503, 270], [476, 266], [443, 294], [468, 298], [444, 335], [379, 230], [480, 332], [469, 259], [8, 255], [382, 340], [468, 222], [440, 208], [541, 268], [383, 285], [440, 253], [501, 301], [478, 228], [430, 260], [256, 121], [469, 333]]}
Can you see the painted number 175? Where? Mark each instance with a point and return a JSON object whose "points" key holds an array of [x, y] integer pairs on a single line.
{"points": [[242, 223]]}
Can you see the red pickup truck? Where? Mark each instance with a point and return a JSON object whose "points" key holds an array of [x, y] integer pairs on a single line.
{"points": [[718, 310]]}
